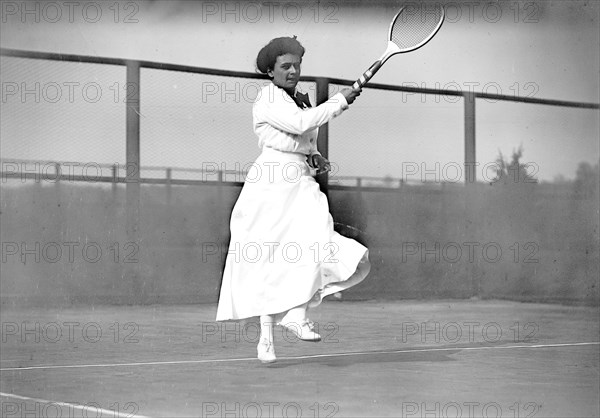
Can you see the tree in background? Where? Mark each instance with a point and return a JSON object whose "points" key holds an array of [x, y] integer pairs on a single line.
{"points": [[514, 171], [586, 180]]}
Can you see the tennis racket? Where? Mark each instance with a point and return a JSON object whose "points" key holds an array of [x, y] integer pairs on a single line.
{"points": [[411, 28]]}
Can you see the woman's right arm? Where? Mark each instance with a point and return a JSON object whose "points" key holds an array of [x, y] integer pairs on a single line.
{"points": [[283, 114]]}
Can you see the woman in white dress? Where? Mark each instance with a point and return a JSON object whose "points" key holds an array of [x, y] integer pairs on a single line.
{"points": [[284, 256]]}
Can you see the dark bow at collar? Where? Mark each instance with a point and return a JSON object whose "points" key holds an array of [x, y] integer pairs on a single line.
{"points": [[301, 99]]}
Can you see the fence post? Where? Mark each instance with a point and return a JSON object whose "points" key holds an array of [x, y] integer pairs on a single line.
{"points": [[58, 174], [61, 214], [115, 180], [132, 181], [470, 157], [222, 214], [470, 225], [323, 138], [168, 186]]}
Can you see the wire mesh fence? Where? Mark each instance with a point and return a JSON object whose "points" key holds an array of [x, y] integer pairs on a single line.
{"points": [[63, 111]]}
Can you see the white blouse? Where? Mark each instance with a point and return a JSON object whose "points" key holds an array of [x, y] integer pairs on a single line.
{"points": [[282, 125]]}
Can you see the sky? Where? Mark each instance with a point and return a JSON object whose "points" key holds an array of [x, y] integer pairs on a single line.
{"points": [[75, 112]]}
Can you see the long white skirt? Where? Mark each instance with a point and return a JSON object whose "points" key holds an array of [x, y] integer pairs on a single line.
{"points": [[283, 250]]}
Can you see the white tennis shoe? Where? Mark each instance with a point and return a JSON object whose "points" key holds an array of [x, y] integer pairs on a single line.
{"points": [[305, 330], [266, 351]]}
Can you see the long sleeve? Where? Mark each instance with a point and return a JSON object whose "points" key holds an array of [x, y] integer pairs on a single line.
{"points": [[281, 124], [283, 113]]}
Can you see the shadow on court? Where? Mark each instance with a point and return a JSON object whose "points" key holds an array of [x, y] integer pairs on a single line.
{"points": [[400, 359]]}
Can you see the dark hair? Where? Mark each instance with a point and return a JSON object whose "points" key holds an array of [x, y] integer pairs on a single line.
{"points": [[267, 56]]}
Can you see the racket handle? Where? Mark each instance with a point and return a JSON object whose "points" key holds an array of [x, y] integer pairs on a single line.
{"points": [[367, 75]]}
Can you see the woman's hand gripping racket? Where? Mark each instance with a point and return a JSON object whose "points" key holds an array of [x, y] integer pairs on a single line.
{"points": [[411, 28]]}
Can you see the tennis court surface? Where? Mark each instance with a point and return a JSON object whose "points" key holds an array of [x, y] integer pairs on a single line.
{"points": [[401, 358]]}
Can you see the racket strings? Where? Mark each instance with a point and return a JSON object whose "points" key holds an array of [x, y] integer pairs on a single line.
{"points": [[413, 27]]}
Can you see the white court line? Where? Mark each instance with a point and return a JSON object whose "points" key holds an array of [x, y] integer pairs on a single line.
{"points": [[231, 360], [86, 408]]}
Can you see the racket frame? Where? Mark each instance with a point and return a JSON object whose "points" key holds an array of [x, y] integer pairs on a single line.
{"points": [[393, 49]]}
